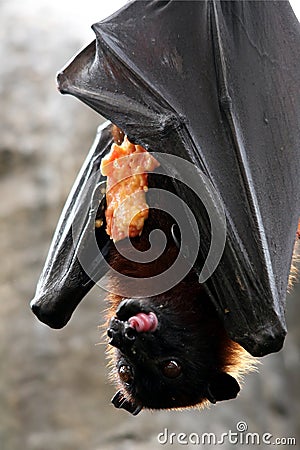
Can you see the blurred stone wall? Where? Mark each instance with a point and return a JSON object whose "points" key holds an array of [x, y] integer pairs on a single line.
{"points": [[54, 393]]}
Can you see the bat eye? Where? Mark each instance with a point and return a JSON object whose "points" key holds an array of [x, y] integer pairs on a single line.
{"points": [[125, 373], [171, 369]]}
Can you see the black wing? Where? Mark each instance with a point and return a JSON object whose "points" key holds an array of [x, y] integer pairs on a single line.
{"points": [[216, 83], [63, 282]]}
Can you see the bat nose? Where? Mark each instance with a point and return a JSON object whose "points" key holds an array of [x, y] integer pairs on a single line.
{"points": [[121, 334]]}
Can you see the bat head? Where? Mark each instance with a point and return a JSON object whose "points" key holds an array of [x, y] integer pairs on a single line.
{"points": [[165, 356]]}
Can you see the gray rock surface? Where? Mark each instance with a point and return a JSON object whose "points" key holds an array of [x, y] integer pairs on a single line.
{"points": [[54, 393]]}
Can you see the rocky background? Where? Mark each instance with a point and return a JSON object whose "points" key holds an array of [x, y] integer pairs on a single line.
{"points": [[54, 393]]}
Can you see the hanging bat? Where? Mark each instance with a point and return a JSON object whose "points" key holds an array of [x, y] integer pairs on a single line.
{"points": [[216, 84]]}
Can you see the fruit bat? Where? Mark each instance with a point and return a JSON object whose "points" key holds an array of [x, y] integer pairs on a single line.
{"points": [[215, 83]]}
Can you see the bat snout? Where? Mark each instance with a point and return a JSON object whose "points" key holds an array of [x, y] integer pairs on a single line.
{"points": [[122, 335]]}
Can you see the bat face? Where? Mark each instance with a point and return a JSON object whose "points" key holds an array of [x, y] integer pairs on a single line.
{"points": [[182, 361]]}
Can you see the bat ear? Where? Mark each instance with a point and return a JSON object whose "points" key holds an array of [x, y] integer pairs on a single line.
{"points": [[222, 387], [120, 402]]}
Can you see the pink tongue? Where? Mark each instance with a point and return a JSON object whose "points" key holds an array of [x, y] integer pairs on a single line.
{"points": [[144, 322]]}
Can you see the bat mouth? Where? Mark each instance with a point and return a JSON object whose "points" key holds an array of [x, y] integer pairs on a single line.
{"points": [[123, 333], [143, 322], [138, 314], [132, 318]]}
